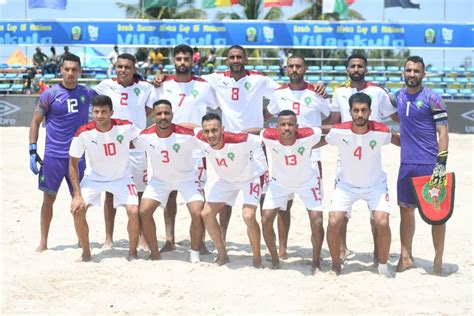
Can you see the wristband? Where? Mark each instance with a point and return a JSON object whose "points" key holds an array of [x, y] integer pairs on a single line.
{"points": [[32, 149], [442, 157]]}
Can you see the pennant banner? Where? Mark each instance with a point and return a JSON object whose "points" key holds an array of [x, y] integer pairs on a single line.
{"points": [[277, 3], [435, 205], [160, 3], [405, 4], [47, 4], [340, 7], [209, 4]]}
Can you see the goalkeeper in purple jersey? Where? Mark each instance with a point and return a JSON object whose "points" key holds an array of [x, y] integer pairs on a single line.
{"points": [[64, 107], [424, 151]]}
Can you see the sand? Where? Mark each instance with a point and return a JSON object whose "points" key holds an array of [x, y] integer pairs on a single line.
{"points": [[54, 283]]}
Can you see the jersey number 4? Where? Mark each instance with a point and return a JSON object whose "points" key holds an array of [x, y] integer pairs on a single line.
{"points": [[358, 152]]}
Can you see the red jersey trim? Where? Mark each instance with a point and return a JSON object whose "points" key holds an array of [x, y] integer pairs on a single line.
{"points": [[247, 73], [149, 130], [86, 127], [181, 130], [304, 132], [373, 126], [135, 80], [229, 138], [273, 134]]}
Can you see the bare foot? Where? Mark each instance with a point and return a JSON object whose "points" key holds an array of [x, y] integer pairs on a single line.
{"points": [[276, 264], [203, 250], [108, 244], [404, 264], [169, 246], [336, 269], [346, 255], [221, 261], [257, 262], [131, 257], [41, 248], [84, 258], [154, 257], [142, 244], [283, 254]]}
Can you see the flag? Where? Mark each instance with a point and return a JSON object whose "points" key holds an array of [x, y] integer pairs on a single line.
{"points": [[337, 6], [160, 3], [405, 4], [209, 4], [277, 3], [47, 4]]}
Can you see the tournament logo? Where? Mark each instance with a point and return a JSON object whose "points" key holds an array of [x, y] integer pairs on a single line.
{"points": [[430, 36], [251, 34], [76, 33]]}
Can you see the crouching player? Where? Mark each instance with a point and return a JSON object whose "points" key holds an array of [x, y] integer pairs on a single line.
{"points": [[107, 143]]}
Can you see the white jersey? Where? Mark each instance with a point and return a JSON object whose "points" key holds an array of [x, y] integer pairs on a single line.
{"points": [[361, 163], [171, 157], [239, 160], [107, 152], [291, 165], [241, 101], [189, 99], [309, 107], [129, 102], [381, 106]]}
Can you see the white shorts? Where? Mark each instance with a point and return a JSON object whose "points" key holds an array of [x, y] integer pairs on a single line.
{"points": [[123, 190], [226, 192], [345, 195], [138, 169], [160, 190], [278, 195]]}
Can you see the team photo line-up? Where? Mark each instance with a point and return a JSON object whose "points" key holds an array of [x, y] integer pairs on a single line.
{"points": [[142, 167]]}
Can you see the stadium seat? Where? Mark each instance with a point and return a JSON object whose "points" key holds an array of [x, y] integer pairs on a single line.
{"points": [[100, 76], [380, 68], [284, 79], [329, 90], [381, 79], [327, 68], [274, 78], [150, 77], [393, 90], [4, 66], [15, 66], [18, 87], [273, 68], [5, 87], [435, 79], [260, 67], [48, 76], [313, 79], [451, 92], [393, 68], [340, 69], [370, 68], [369, 78], [455, 85], [466, 93], [313, 69], [433, 69], [326, 79], [394, 79], [447, 69], [438, 90], [221, 68], [249, 67], [2, 75], [397, 85], [340, 79], [10, 76], [448, 80], [462, 80], [460, 70]]}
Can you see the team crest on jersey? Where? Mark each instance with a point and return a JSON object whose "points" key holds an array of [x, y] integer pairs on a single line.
{"points": [[120, 138], [307, 101], [300, 150], [419, 104], [247, 86], [176, 147], [231, 156], [372, 144], [194, 93], [136, 91], [82, 98], [41, 178]]}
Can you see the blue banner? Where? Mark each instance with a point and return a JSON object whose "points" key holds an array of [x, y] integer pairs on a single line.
{"points": [[305, 34]]}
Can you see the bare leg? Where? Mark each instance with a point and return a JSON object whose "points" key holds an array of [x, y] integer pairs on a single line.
{"points": [[170, 219], [209, 214], [82, 231], [284, 222], [344, 251], [268, 217], [253, 232], [147, 208], [45, 221], [141, 239], [224, 218], [374, 237], [334, 238], [133, 228], [197, 225], [317, 236], [407, 231], [438, 233], [109, 217]]}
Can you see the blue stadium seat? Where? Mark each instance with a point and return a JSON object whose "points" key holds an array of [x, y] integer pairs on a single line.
{"points": [[370, 68], [381, 79], [448, 80], [394, 79], [447, 69], [18, 87], [326, 79], [327, 68], [260, 67], [369, 78], [470, 69], [221, 68], [10, 76], [313, 78], [340, 78], [433, 69], [451, 91], [274, 78], [274, 68], [48, 76], [5, 87], [285, 79], [466, 93], [438, 90], [169, 68], [329, 90], [393, 68], [460, 70], [100, 76], [150, 77], [380, 68], [249, 67], [435, 79], [2, 75], [15, 66], [462, 80], [340, 68], [393, 90], [313, 69]]}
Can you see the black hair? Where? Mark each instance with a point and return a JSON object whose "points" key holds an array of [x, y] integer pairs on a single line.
{"points": [[210, 117], [128, 57], [356, 56], [237, 47], [183, 49], [286, 113], [102, 100], [416, 60], [162, 101], [359, 97], [71, 57]]}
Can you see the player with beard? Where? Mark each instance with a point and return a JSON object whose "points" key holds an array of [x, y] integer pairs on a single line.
{"points": [[310, 109], [381, 107], [190, 97], [424, 151]]}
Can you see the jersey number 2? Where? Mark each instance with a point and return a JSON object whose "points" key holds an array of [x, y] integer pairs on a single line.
{"points": [[123, 99]]}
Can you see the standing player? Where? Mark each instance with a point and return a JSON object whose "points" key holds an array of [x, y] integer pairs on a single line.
{"points": [[310, 109], [132, 100], [424, 151], [361, 177], [236, 158], [292, 172], [190, 97], [107, 144], [65, 107], [170, 148], [381, 107]]}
